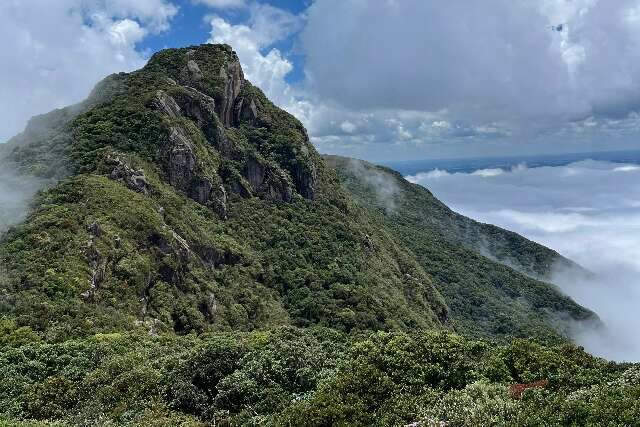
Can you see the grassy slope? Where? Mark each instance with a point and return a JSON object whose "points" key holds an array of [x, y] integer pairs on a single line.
{"points": [[486, 298]]}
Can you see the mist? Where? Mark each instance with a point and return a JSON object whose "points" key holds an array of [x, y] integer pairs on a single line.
{"points": [[16, 192], [589, 212], [385, 187]]}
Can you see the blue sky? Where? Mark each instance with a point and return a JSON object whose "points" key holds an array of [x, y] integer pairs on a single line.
{"points": [[380, 80]]}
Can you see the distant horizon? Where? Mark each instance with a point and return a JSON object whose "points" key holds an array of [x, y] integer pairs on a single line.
{"points": [[584, 154]]}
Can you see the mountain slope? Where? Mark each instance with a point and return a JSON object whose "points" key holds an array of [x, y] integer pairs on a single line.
{"points": [[188, 202], [486, 298]]}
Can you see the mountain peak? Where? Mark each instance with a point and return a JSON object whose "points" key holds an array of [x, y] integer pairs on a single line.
{"points": [[188, 201], [213, 69]]}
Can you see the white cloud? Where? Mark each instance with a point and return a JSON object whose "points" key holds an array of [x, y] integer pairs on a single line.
{"points": [[154, 14], [348, 127], [588, 211], [15, 195], [626, 168], [487, 70], [441, 124], [267, 71], [59, 50], [486, 173], [126, 33], [223, 4], [266, 26], [424, 176]]}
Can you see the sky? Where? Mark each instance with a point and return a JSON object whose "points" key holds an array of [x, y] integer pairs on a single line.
{"points": [[589, 211], [380, 80]]}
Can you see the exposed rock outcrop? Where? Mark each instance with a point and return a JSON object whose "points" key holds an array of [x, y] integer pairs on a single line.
{"points": [[234, 79], [133, 178], [247, 110], [97, 263], [180, 160], [219, 103], [269, 181], [166, 104], [305, 177]]}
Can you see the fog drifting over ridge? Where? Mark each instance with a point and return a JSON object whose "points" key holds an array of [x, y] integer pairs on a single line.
{"points": [[588, 211], [16, 191]]}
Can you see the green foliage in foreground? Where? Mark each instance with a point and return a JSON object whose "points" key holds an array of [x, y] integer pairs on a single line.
{"points": [[312, 377]]}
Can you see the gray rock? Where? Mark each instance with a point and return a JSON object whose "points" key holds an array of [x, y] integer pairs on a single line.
{"points": [[94, 229], [194, 70], [166, 104], [175, 245], [201, 108], [134, 179], [268, 181], [181, 161], [247, 110], [255, 173], [234, 80], [220, 202], [305, 177], [201, 190], [278, 186]]}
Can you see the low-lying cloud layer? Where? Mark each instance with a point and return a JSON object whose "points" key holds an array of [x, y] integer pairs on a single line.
{"points": [[589, 211]]}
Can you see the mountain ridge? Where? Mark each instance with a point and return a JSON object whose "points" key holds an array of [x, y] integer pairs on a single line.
{"points": [[505, 292]]}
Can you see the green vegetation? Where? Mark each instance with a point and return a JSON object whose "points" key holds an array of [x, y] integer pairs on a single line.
{"points": [[194, 261], [418, 208], [312, 377], [487, 299]]}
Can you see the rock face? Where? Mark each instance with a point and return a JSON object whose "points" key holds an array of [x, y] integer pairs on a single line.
{"points": [[234, 80], [210, 92], [180, 159]]}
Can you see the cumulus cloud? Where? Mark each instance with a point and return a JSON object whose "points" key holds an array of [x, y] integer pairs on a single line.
{"points": [[559, 74], [481, 56], [590, 212], [264, 65], [59, 49]]}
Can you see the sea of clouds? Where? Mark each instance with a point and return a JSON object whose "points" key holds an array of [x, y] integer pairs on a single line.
{"points": [[588, 211]]}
